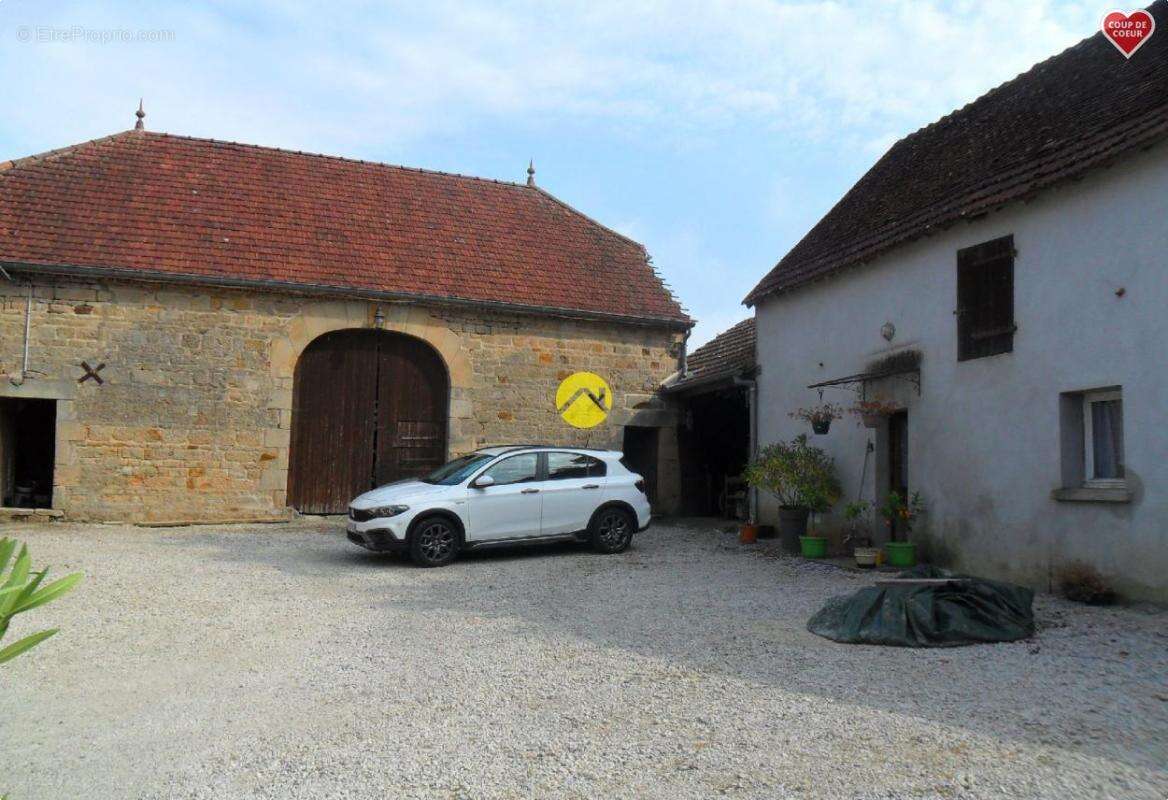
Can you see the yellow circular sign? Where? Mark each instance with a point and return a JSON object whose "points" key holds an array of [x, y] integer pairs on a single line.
{"points": [[584, 399]]}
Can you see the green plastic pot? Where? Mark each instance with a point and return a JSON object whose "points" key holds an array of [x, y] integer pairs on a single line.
{"points": [[813, 546], [901, 554]]}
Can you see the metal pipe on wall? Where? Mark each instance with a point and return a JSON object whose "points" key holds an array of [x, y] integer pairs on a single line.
{"points": [[18, 380], [752, 413], [27, 333]]}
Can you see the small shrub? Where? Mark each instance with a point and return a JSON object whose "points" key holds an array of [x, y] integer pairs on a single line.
{"points": [[904, 510], [1083, 584], [856, 516], [797, 474]]}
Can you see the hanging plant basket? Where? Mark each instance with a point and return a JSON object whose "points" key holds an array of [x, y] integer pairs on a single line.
{"points": [[873, 412], [819, 416]]}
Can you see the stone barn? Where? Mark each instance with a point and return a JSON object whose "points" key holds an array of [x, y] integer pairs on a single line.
{"points": [[196, 330]]}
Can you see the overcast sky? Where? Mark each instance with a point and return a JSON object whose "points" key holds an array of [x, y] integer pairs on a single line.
{"points": [[715, 133]]}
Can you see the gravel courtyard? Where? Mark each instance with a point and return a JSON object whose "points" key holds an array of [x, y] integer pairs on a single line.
{"points": [[282, 662]]}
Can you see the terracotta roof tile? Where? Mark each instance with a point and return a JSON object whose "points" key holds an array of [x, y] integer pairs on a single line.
{"points": [[1073, 112], [165, 206], [728, 354]]}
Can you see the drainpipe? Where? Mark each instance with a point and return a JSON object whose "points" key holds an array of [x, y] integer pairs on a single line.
{"points": [[18, 380], [752, 412]]}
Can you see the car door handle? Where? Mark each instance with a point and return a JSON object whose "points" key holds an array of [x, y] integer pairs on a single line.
{"points": [[529, 491], [591, 486]]}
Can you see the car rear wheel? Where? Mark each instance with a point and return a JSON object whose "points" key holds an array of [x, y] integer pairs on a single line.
{"points": [[434, 542], [612, 530]]}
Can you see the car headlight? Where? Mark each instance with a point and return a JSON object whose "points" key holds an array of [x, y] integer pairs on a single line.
{"points": [[386, 511]]}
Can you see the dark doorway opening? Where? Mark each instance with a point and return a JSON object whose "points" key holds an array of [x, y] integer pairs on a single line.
{"points": [[28, 446], [640, 449], [714, 446], [369, 407]]}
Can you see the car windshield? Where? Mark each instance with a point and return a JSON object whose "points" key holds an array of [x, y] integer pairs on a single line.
{"points": [[455, 472]]}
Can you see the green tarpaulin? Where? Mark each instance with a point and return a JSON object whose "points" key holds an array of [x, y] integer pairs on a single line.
{"points": [[968, 610]]}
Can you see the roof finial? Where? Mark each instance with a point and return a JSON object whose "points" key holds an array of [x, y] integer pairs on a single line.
{"points": [[141, 115], [531, 172]]}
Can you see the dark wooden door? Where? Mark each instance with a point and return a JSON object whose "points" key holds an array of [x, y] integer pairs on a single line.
{"points": [[411, 410], [898, 458], [368, 408]]}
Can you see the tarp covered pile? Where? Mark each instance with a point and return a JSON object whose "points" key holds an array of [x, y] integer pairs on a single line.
{"points": [[964, 610]]}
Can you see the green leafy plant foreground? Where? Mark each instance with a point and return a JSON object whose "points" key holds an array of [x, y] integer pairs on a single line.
{"points": [[21, 590], [799, 475]]}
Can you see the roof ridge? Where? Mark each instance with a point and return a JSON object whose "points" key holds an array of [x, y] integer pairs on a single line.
{"points": [[23, 161], [330, 157], [67, 150]]}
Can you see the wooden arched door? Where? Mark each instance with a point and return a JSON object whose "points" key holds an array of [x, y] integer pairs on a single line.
{"points": [[368, 407]]}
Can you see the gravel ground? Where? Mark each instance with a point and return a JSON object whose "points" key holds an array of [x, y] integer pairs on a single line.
{"points": [[281, 662]]}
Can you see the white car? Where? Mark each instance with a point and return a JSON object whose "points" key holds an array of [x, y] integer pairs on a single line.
{"points": [[502, 496]]}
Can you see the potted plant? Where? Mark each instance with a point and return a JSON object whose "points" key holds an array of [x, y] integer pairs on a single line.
{"points": [[819, 416], [748, 532], [902, 510], [813, 545], [871, 412], [855, 514], [801, 477]]}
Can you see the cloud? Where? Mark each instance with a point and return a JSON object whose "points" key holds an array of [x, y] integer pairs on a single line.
{"points": [[352, 72]]}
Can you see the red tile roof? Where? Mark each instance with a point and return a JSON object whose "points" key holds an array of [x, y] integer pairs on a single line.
{"points": [[727, 355], [154, 205], [1076, 111]]}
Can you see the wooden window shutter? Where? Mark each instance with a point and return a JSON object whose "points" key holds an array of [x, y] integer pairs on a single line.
{"points": [[985, 299]]}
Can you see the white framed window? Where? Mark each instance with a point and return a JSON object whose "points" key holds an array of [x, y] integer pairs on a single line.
{"points": [[1103, 439]]}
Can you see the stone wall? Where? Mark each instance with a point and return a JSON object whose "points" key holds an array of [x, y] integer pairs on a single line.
{"points": [[192, 420]]}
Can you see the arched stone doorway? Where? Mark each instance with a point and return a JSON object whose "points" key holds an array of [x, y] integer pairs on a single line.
{"points": [[368, 407]]}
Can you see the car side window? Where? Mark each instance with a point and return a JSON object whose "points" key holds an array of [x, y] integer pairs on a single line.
{"points": [[516, 469], [563, 466]]}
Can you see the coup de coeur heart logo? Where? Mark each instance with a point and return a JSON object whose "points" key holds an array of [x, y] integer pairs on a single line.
{"points": [[1128, 32]]}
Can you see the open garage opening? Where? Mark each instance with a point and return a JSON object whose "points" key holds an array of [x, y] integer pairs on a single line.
{"points": [[28, 433], [714, 449]]}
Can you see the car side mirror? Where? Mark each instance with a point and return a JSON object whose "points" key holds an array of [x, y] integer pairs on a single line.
{"points": [[483, 482]]}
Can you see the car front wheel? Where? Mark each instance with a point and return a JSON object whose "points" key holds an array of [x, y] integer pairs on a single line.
{"points": [[612, 530], [434, 542]]}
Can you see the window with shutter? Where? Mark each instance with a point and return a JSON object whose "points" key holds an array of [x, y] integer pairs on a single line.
{"points": [[985, 299]]}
